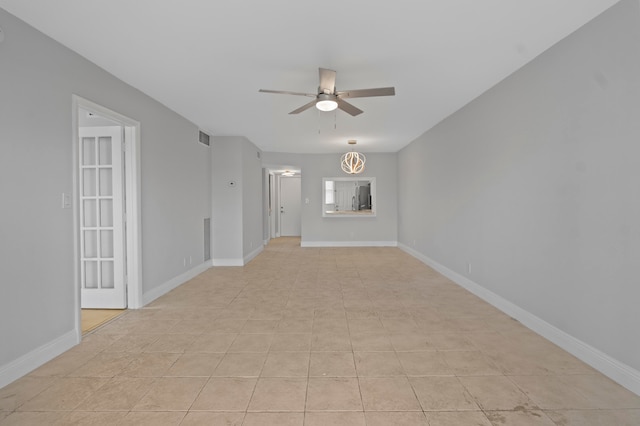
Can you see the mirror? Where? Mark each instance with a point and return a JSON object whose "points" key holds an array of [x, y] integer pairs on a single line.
{"points": [[348, 197]]}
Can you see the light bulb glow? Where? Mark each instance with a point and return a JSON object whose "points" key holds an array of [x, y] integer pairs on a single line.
{"points": [[326, 105]]}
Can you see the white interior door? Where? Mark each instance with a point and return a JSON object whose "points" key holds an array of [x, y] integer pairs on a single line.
{"points": [[102, 250], [290, 221], [345, 195]]}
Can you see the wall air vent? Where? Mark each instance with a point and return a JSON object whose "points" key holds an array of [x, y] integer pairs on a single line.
{"points": [[204, 138]]}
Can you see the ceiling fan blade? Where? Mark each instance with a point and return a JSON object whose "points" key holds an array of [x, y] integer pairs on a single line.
{"points": [[327, 81], [348, 108], [365, 93], [285, 92], [304, 107]]}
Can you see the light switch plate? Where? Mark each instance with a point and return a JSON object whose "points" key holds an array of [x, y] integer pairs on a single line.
{"points": [[66, 200]]}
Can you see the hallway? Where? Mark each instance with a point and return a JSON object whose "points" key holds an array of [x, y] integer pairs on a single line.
{"points": [[317, 336]]}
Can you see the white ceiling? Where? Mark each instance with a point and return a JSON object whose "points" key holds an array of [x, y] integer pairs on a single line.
{"points": [[206, 59]]}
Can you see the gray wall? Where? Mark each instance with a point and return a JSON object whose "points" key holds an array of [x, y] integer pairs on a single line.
{"points": [[252, 207], [536, 185], [226, 222], [317, 229], [237, 209], [37, 79]]}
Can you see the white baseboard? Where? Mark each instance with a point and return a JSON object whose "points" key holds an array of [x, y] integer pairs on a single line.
{"points": [[236, 261], [228, 262], [152, 295], [253, 254], [348, 244], [34, 359], [607, 365]]}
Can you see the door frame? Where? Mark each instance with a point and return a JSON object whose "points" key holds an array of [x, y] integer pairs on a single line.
{"points": [[267, 203], [132, 201], [276, 219], [275, 170], [274, 208]]}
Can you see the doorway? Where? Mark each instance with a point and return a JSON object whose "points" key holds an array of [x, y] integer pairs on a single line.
{"points": [[290, 206], [106, 214]]}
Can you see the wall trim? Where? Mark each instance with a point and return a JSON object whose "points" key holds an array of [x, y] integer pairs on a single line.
{"points": [[607, 365], [37, 357], [238, 262], [228, 262], [152, 295], [349, 244], [248, 258]]}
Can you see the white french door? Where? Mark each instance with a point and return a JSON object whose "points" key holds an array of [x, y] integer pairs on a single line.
{"points": [[102, 249]]}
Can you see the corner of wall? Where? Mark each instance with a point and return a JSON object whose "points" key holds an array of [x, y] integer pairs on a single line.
{"points": [[249, 257], [37, 357], [166, 287]]}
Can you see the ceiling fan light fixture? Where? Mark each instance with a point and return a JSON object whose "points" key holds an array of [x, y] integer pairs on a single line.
{"points": [[326, 102]]}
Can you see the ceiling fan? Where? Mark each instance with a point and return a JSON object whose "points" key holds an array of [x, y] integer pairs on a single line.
{"points": [[328, 98]]}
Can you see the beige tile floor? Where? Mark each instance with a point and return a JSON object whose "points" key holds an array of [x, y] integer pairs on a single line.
{"points": [[317, 337]]}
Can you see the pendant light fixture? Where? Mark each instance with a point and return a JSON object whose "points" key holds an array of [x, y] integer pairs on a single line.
{"points": [[352, 162]]}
